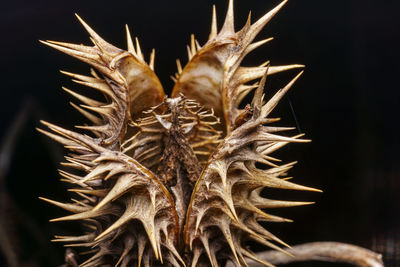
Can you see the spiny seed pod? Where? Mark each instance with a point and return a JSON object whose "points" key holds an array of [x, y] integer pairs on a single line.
{"points": [[175, 181]]}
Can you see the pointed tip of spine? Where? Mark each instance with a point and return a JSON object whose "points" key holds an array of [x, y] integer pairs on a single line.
{"points": [[271, 13], [48, 124], [152, 59], [248, 21], [287, 87], [138, 49], [258, 94], [229, 27], [214, 27], [192, 44], [95, 38], [42, 198], [259, 24], [298, 75], [131, 47], [270, 105], [47, 42], [81, 20], [85, 25]]}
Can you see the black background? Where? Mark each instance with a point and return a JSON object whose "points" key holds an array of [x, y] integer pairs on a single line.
{"points": [[347, 102]]}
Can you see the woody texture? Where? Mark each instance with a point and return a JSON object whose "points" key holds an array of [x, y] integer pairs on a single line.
{"points": [[178, 180]]}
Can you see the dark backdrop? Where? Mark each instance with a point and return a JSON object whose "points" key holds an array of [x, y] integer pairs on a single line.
{"points": [[346, 102]]}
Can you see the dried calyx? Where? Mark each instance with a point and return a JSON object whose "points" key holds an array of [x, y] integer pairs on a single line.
{"points": [[175, 181]]}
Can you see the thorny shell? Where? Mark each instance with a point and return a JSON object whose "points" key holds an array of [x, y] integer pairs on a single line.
{"points": [[174, 181]]}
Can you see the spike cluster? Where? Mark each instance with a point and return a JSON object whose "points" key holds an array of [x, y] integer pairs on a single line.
{"points": [[227, 195], [120, 71], [214, 74], [116, 193], [161, 181]]}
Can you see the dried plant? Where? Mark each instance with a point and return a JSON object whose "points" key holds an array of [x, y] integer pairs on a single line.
{"points": [[175, 181]]}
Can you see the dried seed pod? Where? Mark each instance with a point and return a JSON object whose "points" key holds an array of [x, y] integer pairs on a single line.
{"points": [[175, 181]]}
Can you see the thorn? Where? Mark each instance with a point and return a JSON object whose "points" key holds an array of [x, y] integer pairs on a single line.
{"points": [[152, 57], [94, 74], [93, 192], [257, 99], [101, 86], [101, 110], [140, 246], [270, 105], [69, 207], [259, 24], [138, 50], [179, 66], [225, 229], [198, 46], [122, 185], [97, 40], [255, 45], [96, 120], [131, 47], [83, 99], [264, 64], [80, 47], [214, 28], [229, 27], [57, 138], [80, 77], [189, 53], [192, 45], [277, 69], [255, 258], [74, 53]]}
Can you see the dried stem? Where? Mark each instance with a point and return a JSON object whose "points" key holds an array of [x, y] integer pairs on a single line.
{"points": [[322, 251]]}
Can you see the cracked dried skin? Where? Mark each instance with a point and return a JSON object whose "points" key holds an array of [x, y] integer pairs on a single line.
{"points": [[174, 181]]}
